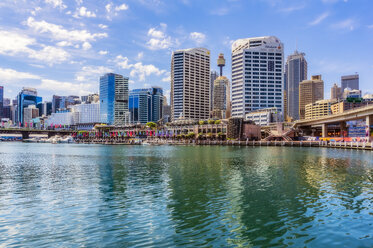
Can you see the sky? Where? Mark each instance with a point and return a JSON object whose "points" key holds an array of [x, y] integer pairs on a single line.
{"points": [[62, 47]]}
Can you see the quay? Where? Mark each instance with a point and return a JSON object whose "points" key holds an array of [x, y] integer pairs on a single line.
{"points": [[328, 144]]}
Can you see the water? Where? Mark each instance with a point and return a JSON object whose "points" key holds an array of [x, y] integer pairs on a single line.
{"points": [[169, 196]]}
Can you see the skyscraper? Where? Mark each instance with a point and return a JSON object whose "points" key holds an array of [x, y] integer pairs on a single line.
{"points": [[295, 72], [28, 96], [350, 81], [221, 93], [214, 75], [146, 105], [310, 91], [190, 84], [114, 99], [336, 92], [63, 102], [257, 74], [1, 101]]}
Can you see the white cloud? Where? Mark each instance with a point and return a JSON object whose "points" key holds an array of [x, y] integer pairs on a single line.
{"points": [[86, 46], [66, 87], [140, 55], [370, 26], [292, 8], [158, 38], [198, 38], [348, 24], [91, 73], [50, 55], [56, 3], [58, 32], [333, 1], [319, 19], [121, 7], [83, 12], [64, 43], [10, 75], [220, 11], [138, 69], [102, 26], [103, 52], [12, 43]]}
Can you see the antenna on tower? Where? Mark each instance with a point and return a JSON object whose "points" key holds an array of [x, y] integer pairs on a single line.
{"points": [[296, 44], [221, 63]]}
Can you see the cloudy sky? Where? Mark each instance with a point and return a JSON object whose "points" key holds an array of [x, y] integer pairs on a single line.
{"points": [[63, 46]]}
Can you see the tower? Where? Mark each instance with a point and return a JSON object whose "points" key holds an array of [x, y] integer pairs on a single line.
{"points": [[221, 63]]}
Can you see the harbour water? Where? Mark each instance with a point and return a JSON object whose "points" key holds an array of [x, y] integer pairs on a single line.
{"points": [[70, 195]]}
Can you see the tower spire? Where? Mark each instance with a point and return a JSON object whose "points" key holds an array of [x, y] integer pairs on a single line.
{"points": [[221, 63]]}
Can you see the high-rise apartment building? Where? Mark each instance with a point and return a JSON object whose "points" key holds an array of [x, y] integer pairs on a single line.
{"points": [[28, 96], [295, 72], [336, 92], [257, 75], [350, 81], [190, 84], [146, 105], [114, 99], [310, 91]]}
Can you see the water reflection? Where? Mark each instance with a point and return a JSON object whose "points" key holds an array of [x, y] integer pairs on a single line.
{"points": [[167, 196]]}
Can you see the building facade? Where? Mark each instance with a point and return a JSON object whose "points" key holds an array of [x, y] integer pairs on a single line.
{"points": [[63, 102], [87, 113], [295, 72], [28, 96], [257, 75], [350, 81], [221, 100], [336, 92], [114, 99], [264, 117], [1, 101], [310, 91], [318, 109], [30, 113], [190, 84], [146, 105], [213, 77]]}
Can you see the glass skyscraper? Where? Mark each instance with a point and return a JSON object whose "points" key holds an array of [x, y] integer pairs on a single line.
{"points": [[295, 72], [28, 96], [146, 105], [114, 99], [350, 81]]}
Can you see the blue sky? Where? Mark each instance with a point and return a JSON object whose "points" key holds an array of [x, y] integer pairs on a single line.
{"points": [[63, 46]]}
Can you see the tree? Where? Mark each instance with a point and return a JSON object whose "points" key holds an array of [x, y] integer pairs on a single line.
{"points": [[152, 125], [217, 121], [201, 122], [211, 121], [191, 135]]}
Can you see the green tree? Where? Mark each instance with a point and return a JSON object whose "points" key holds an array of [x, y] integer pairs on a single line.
{"points": [[201, 122], [151, 124], [211, 121], [217, 121]]}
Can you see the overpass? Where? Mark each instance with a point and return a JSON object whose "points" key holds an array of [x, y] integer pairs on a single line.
{"points": [[25, 132], [362, 113]]}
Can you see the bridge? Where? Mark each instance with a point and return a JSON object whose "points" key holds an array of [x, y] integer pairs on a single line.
{"points": [[338, 121], [25, 132]]}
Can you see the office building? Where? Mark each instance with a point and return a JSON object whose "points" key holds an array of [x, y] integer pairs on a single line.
{"points": [[336, 92], [295, 72], [45, 108], [28, 96], [264, 117], [344, 105], [91, 98], [349, 93], [214, 75], [257, 75], [114, 99], [350, 81], [190, 84], [146, 105], [318, 109], [64, 102], [30, 113], [1, 101], [87, 113], [310, 91]]}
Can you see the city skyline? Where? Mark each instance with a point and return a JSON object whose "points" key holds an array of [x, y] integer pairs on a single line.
{"points": [[62, 47]]}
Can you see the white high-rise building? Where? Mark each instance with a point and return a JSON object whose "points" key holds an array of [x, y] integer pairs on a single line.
{"points": [[257, 75], [190, 84]]}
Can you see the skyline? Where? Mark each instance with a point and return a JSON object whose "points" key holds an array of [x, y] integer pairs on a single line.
{"points": [[40, 48]]}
